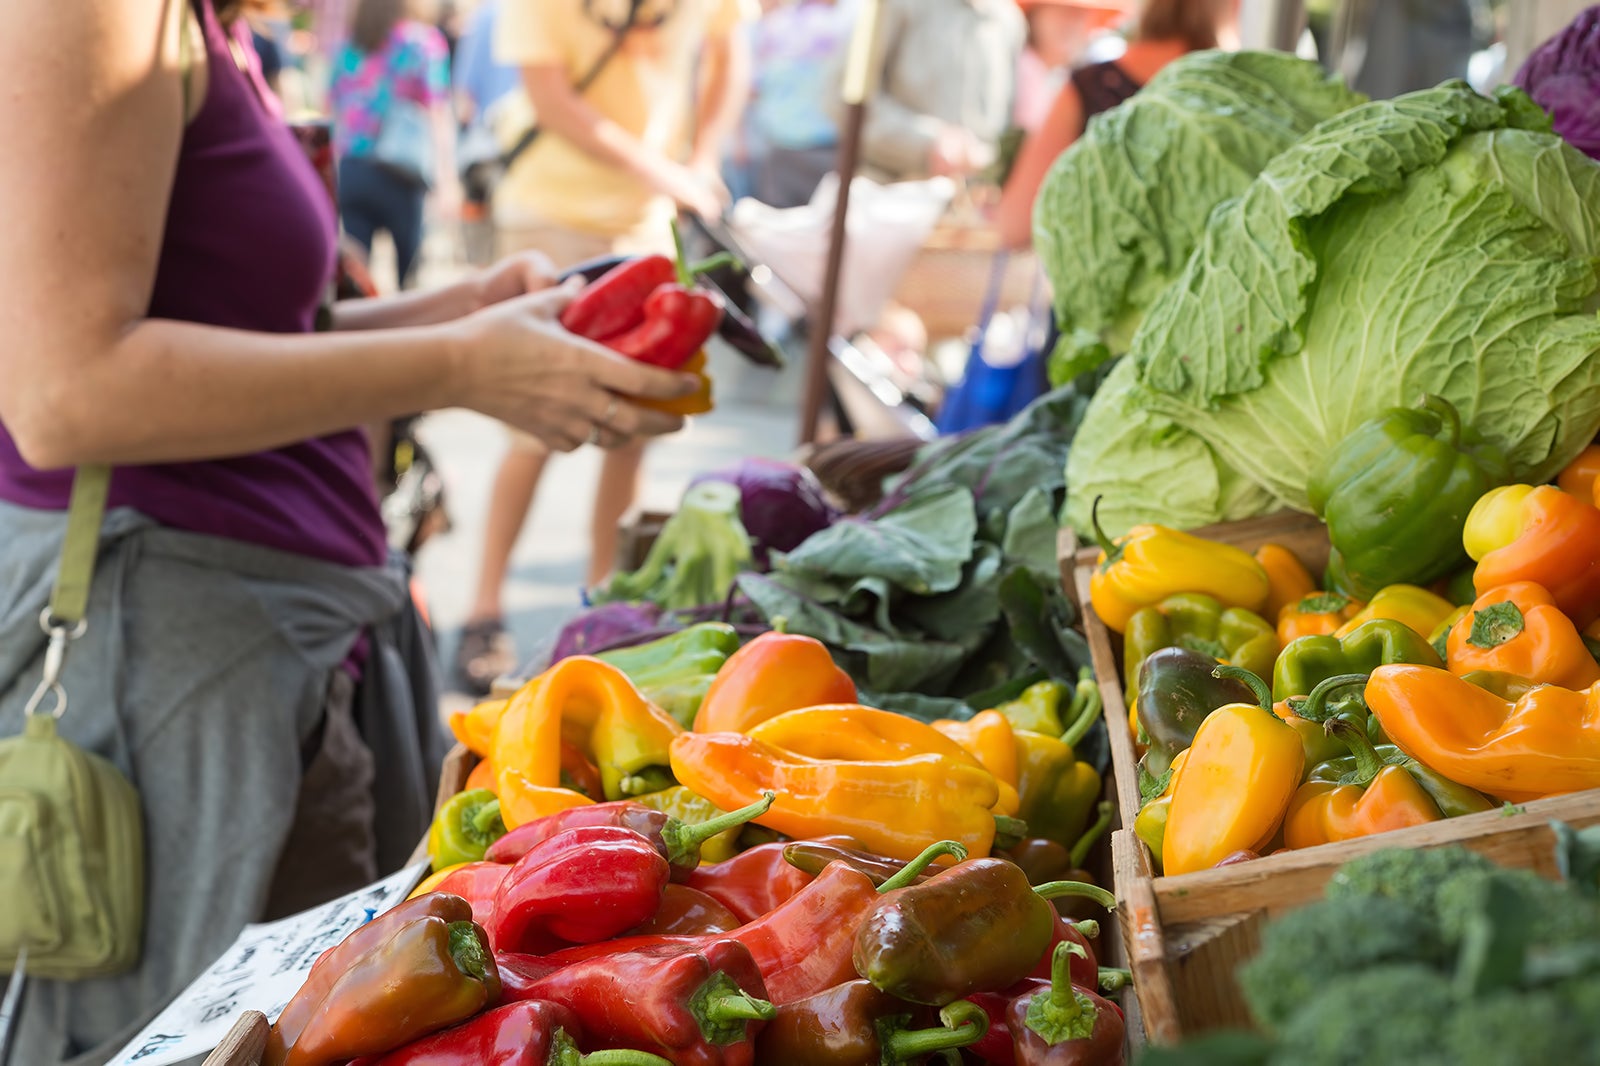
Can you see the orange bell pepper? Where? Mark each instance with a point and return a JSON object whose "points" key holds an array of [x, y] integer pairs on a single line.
{"points": [[1581, 477], [1315, 615], [1322, 811], [1538, 533], [1545, 742], [1241, 771], [989, 738], [592, 705], [896, 808], [774, 673], [1287, 578], [475, 728], [1517, 629], [482, 776], [696, 403]]}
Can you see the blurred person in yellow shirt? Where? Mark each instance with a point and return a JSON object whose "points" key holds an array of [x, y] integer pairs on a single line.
{"points": [[633, 101]]}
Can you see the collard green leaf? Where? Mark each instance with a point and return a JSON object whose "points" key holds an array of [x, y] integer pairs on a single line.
{"points": [[1040, 620], [921, 547]]}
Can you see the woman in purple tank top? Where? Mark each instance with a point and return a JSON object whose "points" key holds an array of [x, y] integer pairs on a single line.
{"points": [[167, 250]]}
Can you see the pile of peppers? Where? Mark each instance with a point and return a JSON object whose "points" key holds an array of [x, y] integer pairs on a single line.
{"points": [[700, 852], [1275, 714]]}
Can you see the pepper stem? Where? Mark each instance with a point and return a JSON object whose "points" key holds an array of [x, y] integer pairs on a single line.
{"points": [[964, 1024], [1449, 417], [721, 259], [723, 1010], [564, 1052], [679, 262], [1088, 928], [914, 868], [1009, 831], [1315, 708], [468, 951], [1113, 979], [486, 817], [1369, 764], [1112, 550], [1057, 889], [1087, 706], [1102, 822], [1258, 686], [1062, 1014], [683, 840]]}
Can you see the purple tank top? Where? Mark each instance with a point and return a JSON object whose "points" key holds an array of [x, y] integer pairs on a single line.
{"points": [[249, 244]]}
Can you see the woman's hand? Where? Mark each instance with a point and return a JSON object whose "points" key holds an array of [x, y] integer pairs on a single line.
{"points": [[519, 365]]}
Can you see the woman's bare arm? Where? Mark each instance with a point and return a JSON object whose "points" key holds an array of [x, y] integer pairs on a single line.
{"points": [[1014, 217], [93, 113]]}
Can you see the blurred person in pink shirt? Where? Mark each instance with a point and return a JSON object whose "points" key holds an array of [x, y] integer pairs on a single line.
{"points": [[1058, 32]]}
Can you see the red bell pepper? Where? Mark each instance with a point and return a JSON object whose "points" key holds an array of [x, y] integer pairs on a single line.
{"points": [[1085, 970], [751, 883], [700, 1003], [475, 882], [614, 302], [577, 887], [994, 1046], [803, 945], [1065, 1024], [679, 842], [533, 1033], [678, 320], [686, 912]]}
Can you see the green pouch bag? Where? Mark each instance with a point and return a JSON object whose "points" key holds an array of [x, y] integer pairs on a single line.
{"points": [[71, 827]]}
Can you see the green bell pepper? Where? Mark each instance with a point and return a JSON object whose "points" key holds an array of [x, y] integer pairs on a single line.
{"points": [[1176, 691], [675, 671], [1038, 709], [1199, 623], [1366, 760], [1309, 716], [464, 828], [1395, 494], [1308, 661]]}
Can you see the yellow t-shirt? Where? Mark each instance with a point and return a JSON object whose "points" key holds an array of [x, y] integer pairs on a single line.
{"points": [[646, 88]]}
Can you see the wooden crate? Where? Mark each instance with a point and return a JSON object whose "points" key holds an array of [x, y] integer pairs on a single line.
{"points": [[946, 283], [1186, 935]]}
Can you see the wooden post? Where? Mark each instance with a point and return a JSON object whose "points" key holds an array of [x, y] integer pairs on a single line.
{"points": [[858, 75]]}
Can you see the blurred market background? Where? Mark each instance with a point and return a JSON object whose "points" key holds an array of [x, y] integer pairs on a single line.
{"points": [[891, 375]]}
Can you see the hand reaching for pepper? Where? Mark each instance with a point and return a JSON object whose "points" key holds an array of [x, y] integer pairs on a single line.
{"points": [[516, 363]]}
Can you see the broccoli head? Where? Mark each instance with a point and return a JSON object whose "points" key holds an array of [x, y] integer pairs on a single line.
{"points": [[1509, 1027], [1412, 877], [1304, 949], [1556, 914], [1390, 1015]]}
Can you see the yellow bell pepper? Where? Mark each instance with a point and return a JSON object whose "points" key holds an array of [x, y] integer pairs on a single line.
{"points": [[1150, 563], [1414, 607], [1056, 791], [852, 732], [1241, 772], [989, 738], [475, 728], [592, 705]]}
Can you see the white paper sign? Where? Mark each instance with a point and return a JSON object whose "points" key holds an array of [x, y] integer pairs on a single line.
{"points": [[261, 971]]}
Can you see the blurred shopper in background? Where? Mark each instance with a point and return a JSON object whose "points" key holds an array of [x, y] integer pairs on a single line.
{"points": [[1058, 32], [392, 127], [611, 165], [1388, 47], [481, 84], [1166, 30], [946, 76], [797, 46]]}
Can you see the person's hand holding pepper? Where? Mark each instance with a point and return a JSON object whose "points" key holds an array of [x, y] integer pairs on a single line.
{"points": [[514, 361]]}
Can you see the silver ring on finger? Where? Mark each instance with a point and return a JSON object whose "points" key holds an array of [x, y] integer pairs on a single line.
{"points": [[611, 413]]}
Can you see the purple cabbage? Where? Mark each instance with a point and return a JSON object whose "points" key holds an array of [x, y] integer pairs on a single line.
{"points": [[780, 504], [1563, 77], [606, 626]]}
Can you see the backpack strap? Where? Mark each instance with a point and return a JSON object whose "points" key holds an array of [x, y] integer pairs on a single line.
{"points": [[64, 619]]}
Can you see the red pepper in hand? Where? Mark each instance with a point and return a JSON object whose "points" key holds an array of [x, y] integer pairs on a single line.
{"points": [[577, 887], [678, 320], [977, 926], [522, 1034], [1065, 1025], [751, 883], [686, 912], [416, 969], [854, 1024], [698, 1003], [614, 302], [677, 841]]}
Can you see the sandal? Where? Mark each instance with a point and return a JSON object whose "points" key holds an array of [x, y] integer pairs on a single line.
{"points": [[485, 654]]}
